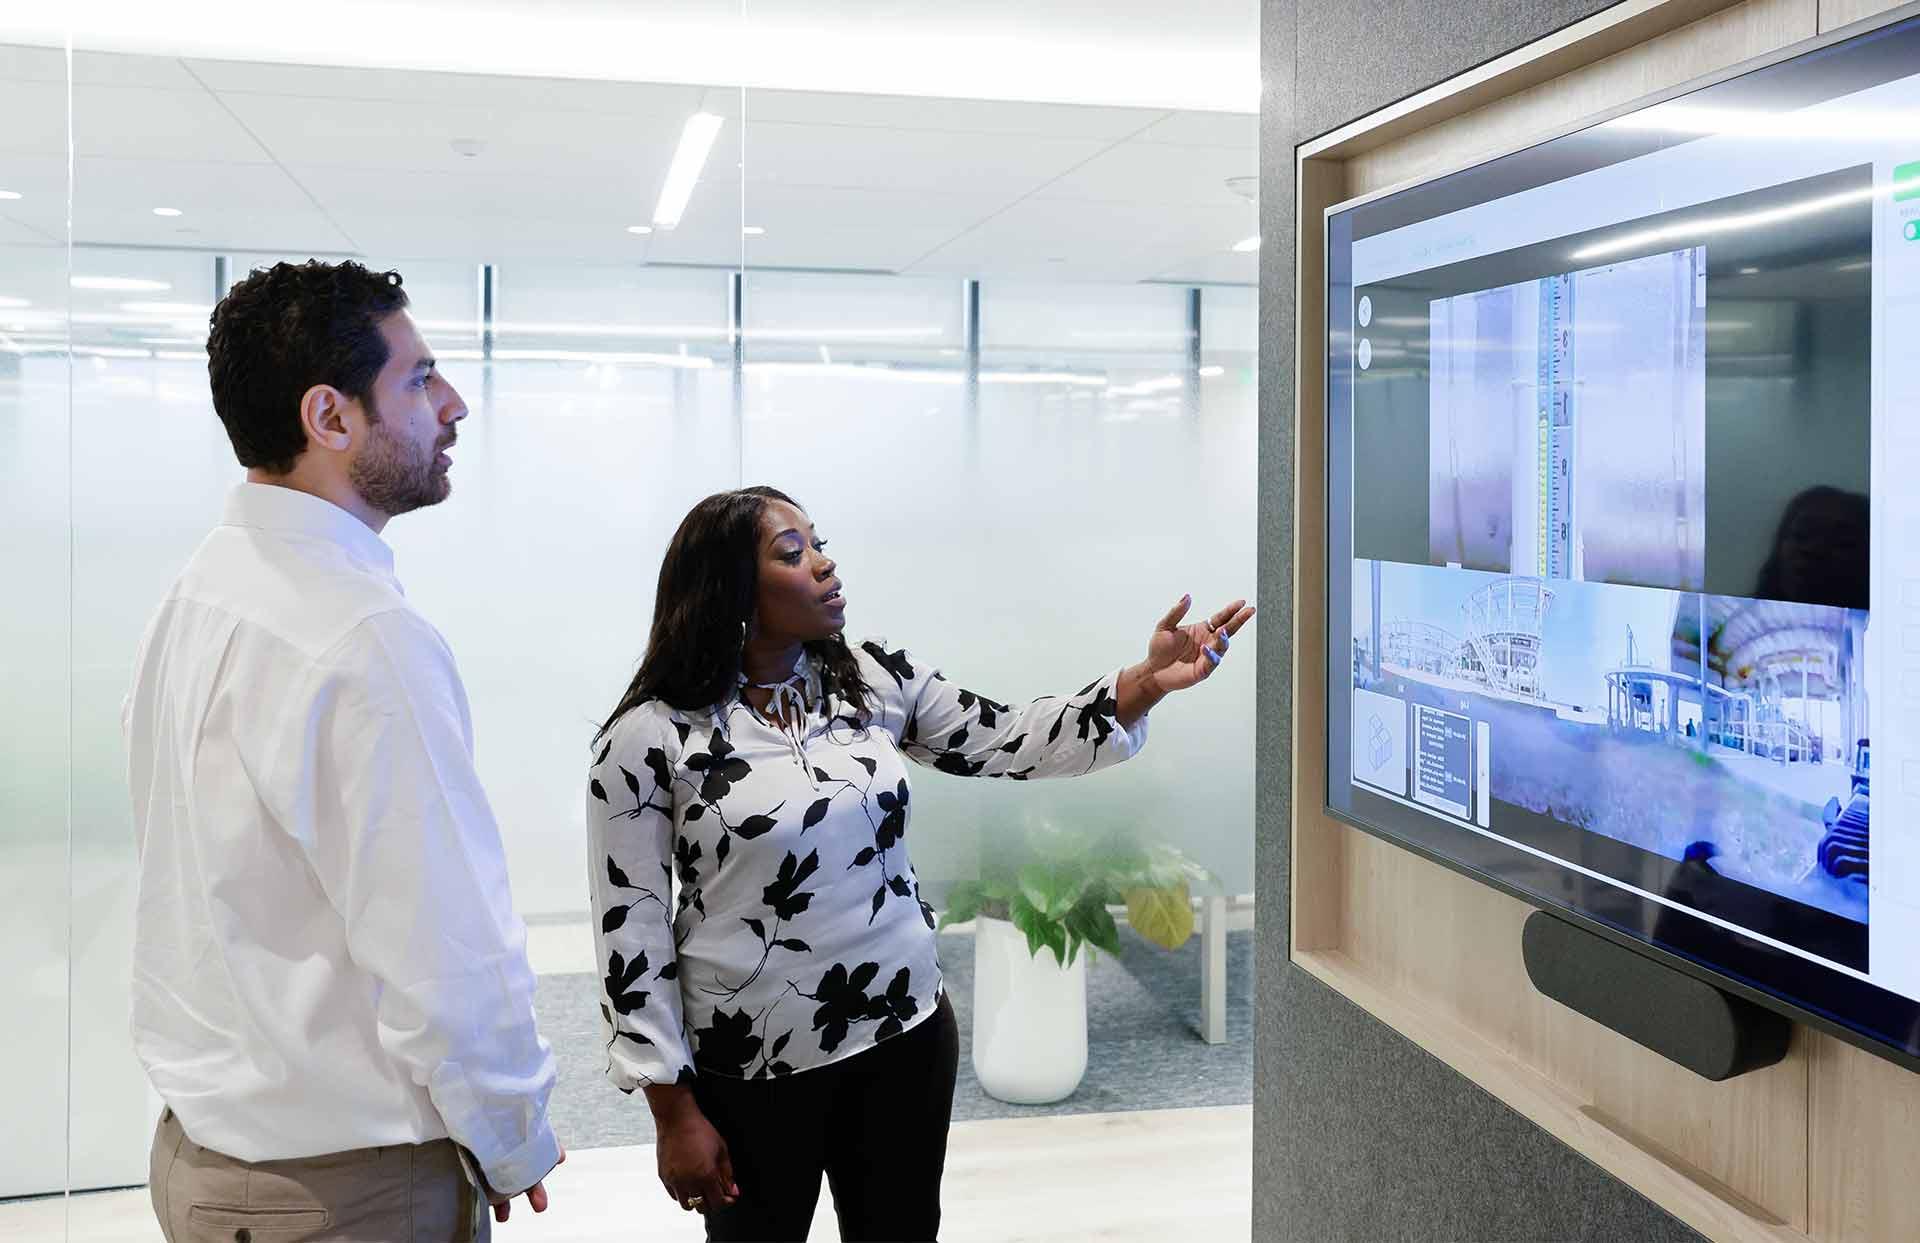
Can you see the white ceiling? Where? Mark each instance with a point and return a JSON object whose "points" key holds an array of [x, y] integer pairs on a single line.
{"points": [[289, 158], [1199, 54]]}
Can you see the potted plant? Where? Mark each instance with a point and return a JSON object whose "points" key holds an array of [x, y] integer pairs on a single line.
{"points": [[1053, 894]]}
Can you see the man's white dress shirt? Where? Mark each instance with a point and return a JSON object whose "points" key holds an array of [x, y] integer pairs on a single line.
{"points": [[326, 954]]}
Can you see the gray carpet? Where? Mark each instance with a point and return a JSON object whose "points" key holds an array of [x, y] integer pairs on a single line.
{"points": [[1144, 1050]]}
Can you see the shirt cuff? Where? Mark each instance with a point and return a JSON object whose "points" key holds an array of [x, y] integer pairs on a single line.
{"points": [[526, 1165]]}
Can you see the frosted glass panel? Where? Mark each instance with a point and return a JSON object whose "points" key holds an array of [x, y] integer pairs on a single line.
{"points": [[1028, 546], [572, 472], [33, 685]]}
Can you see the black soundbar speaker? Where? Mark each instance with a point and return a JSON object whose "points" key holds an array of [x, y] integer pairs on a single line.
{"points": [[1713, 1034]]}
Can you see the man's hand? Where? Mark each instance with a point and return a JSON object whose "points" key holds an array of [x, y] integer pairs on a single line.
{"points": [[536, 1194]]}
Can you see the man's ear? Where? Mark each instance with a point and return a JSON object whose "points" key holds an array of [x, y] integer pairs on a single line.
{"points": [[323, 413]]}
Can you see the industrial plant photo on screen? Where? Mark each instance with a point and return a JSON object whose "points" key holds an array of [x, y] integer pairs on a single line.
{"points": [[1727, 733], [1568, 425]]}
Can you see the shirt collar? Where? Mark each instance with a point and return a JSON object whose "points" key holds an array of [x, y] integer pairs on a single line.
{"points": [[289, 511]]}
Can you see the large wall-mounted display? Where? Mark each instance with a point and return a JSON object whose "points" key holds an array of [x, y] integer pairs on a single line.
{"points": [[1612, 420]]}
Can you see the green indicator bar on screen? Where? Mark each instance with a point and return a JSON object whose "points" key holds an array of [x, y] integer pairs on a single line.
{"points": [[1906, 181]]}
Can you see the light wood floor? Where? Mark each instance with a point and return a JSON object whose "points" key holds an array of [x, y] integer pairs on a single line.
{"points": [[1117, 1178]]}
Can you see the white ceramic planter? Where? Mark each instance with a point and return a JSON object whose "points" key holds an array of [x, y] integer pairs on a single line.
{"points": [[1029, 1017]]}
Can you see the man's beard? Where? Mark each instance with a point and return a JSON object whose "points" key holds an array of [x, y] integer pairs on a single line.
{"points": [[393, 476]]}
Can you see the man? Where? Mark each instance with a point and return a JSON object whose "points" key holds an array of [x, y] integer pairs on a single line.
{"points": [[330, 986]]}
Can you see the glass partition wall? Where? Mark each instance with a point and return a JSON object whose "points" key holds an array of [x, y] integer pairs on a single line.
{"points": [[1003, 352]]}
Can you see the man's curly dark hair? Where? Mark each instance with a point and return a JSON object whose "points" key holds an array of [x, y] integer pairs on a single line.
{"points": [[283, 330]]}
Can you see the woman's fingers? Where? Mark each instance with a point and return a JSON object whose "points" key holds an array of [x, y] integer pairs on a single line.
{"points": [[1225, 615], [1179, 610]]}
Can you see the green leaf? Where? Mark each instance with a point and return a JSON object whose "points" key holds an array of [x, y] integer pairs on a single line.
{"points": [[1030, 922], [1037, 887], [963, 903], [1090, 921], [1056, 941], [1163, 915]]}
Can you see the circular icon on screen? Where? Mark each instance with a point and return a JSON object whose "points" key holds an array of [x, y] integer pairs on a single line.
{"points": [[1913, 230], [1366, 310], [1365, 353]]}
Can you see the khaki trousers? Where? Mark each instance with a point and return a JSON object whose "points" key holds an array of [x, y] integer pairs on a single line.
{"points": [[401, 1193]]}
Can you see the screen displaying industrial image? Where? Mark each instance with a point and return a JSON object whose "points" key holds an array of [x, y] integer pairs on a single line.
{"points": [[1548, 711], [1623, 554], [1568, 424]]}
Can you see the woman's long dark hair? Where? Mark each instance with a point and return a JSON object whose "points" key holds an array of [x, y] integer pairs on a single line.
{"points": [[709, 583]]}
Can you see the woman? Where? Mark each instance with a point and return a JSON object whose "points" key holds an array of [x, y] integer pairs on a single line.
{"points": [[771, 976]]}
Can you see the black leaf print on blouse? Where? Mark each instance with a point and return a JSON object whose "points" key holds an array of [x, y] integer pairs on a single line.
{"points": [[662, 771], [1013, 748], [786, 900], [784, 895], [879, 900], [926, 913], [597, 790], [989, 710], [686, 854], [958, 765], [1098, 716], [719, 766], [843, 1002], [958, 738], [621, 977], [616, 916], [867, 763], [816, 813], [820, 774], [895, 663], [683, 729], [695, 811], [604, 753], [672, 970], [726, 1047], [720, 851], [757, 826], [899, 886], [893, 824], [894, 1008]]}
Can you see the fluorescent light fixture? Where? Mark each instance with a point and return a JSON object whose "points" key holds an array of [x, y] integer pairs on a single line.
{"points": [[9, 195], [166, 308], [696, 141], [1159, 384], [1725, 224], [751, 230], [640, 230], [1211, 372], [1858, 265], [1043, 377], [182, 356], [120, 284], [111, 351], [825, 356], [170, 341], [166, 211], [1749, 271], [587, 356], [14, 303], [1246, 244]]}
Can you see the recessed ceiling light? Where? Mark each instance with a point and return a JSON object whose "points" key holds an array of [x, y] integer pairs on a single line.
{"points": [[9, 194], [166, 211], [696, 141], [1749, 271], [1246, 244], [120, 284], [751, 230], [640, 229]]}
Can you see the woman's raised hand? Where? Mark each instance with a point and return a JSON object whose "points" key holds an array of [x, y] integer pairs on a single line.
{"points": [[1179, 656]]}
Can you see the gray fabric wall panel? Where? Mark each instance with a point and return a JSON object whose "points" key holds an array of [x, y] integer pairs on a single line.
{"points": [[1358, 1133], [1355, 56]]}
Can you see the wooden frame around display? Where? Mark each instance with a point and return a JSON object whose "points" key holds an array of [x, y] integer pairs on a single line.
{"points": [[1825, 1145]]}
